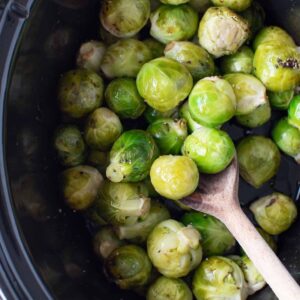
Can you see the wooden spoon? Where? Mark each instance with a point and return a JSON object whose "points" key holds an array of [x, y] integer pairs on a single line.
{"points": [[218, 196]]}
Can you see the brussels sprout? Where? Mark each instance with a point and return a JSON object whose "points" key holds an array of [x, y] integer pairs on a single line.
{"points": [[200, 5], [222, 32], [69, 145], [215, 237], [173, 23], [258, 158], [272, 34], [80, 186], [196, 59], [129, 267], [123, 98], [174, 249], [138, 232], [287, 138], [131, 157], [253, 278], [151, 115], [125, 58], [163, 83], [277, 66], [156, 48], [99, 160], [102, 128], [239, 6], [168, 134], [174, 177], [122, 203], [212, 102], [80, 92], [169, 289], [174, 2], [90, 55], [294, 112], [124, 18], [275, 213], [250, 92], [281, 100], [185, 113], [239, 62], [219, 278], [105, 242]]}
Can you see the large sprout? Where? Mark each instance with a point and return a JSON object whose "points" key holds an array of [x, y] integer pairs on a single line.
{"points": [[164, 83], [151, 115], [124, 18], [294, 112], [174, 249], [173, 23], [222, 32], [239, 5], [281, 100], [185, 114]]}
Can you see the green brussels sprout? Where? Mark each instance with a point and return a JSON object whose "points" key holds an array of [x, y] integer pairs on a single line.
{"points": [[151, 115], [196, 59], [250, 92], [125, 58], [80, 92], [272, 34], [90, 55], [174, 249], [212, 102], [173, 23], [69, 146], [253, 278], [281, 100], [211, 149], [138, 232], [294, 112], [102, 129], [124, 18], [164, 83], [156, 48], [287, 138], [131, 157], [215, 237], [219, 278], [239, 5], [168, 134], [174, 177], [258, 158], [99, 160], [80, 186], [274, 213], [169, 289], [220, 22], [123, 98], [277, 66], [122, 203], [105, 242], [200, 5], [129, 267], [239, 62], [185, 114]]}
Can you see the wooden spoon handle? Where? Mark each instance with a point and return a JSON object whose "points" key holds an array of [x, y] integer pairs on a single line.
{"points": [[265, 260]]}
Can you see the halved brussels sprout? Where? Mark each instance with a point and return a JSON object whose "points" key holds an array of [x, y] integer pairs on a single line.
{"points": [[294, 112], [239, 62], [219, 278], [122, 97], [174, 249], [239, 5], [80, 92], [185, 114], [275, 213], [125, 58], [128, 267], [131, 157], [281, 100], [80, 186], [124, 18], [99, 160], [90, 55], [168, 134], [173, 23], [156, 48], [164, 83], [174, 177], [259, 159], [69, 146], [151, 115], [195, 58], [287, 138], [215, 237], [212, 102], [222, 32], [169, 289], [211, 149], [200, 5]]}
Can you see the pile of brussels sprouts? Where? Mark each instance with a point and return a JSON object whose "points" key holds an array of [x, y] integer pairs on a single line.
{"points": [[143, 115]]}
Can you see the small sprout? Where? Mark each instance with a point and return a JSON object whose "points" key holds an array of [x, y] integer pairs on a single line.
{"points": [[99, 160], [156, 48], [281, 100], [151, 115], [185, 114]]}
